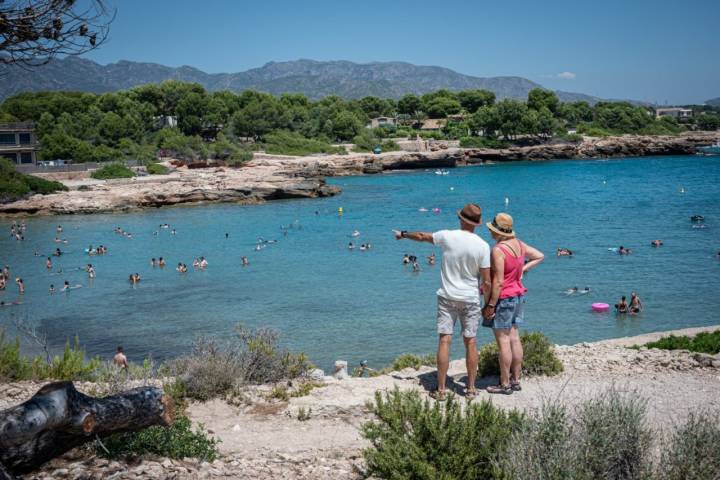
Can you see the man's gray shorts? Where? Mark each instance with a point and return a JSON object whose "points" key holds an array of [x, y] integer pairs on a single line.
{"points": [[450, 311]]}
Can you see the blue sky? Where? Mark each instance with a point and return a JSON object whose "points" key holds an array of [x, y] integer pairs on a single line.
{"points": [[658, 51]]}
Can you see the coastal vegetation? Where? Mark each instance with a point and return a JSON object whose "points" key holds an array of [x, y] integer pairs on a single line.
{"points": [[15, 185], [184, 121], [539, 357], [156, 169], [703, 342], [605, 437], [113, 170]]}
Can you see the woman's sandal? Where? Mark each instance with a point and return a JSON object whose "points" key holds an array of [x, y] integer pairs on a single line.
{"points": [[515, 386], [439, 395], [501, 389]]}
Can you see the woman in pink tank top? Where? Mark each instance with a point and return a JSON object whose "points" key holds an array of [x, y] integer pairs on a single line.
{"points": [[504, 311]]}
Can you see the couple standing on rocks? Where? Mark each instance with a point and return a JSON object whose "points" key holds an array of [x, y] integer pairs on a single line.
{"points": [[471, 269]]}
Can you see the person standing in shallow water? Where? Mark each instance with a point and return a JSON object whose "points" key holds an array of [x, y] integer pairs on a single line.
{"points": [[465, 260], [504, 310]]}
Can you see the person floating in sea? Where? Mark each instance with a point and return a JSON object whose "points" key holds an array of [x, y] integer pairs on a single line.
{"points": [[153, 262], [21, 285], [173, 232], [161, 262], [90, 270], [351, 246], [466, 259], [2, 282], [134, 278], [181, 267], [52, 289], [406, 259], [622, 306], [564, 252], [636, 305], [48, 263], [59, 229], [363, 247], [431, 259], [585, 291], [415, 267], [120, 360], [57, 252], [624, 251], [656, 243], [572, 291], [203, 262], [227, 235], [244, 260]]}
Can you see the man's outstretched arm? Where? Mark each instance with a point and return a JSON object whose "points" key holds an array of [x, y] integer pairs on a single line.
{"points": [[416, 236]]}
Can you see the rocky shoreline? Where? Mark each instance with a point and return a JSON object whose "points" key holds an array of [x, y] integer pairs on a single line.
{"points": [[264, 439], [269, 177]]}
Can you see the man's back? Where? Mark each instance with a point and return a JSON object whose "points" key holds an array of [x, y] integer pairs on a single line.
{"points": [[464, 254]]}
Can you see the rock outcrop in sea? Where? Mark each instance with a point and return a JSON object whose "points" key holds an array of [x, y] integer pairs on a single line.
{"points": [[273, 177]]}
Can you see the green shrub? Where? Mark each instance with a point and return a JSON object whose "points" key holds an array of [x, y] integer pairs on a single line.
{"points": [[15, 185], [606, 438], [366, 141], [413, 438], [539, 357], [693, 452], [176, 441], [156, 169], [113, 170], [282, 142], [592, 131], [704, 342], [613, 438], [13, 366], [216, 368], [72, 365], [482, 142], [410, 360], [279, 392]]}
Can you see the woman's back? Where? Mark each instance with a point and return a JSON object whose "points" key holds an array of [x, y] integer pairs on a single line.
{"points": [[514, 252]]}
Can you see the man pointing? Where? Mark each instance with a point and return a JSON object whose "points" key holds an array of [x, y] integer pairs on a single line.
{"points": [[465, 260]]}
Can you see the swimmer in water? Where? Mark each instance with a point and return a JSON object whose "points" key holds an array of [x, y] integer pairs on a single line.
{"points": [[351, 246], [52, 289], [656, 243], [363, 247], [59, 229], [203, 262], [564, 252], [624, 251], [431, 259], [21, 285], [227, 235], [244, 260], [406, 259], [571, 291], [90, 270], [622, 306], [57, 252], [415, 266], [173, 232], [153, 262], [161, 262], [636, 305], [585, 291], [48, 263], [355, 233], [66, 286]]}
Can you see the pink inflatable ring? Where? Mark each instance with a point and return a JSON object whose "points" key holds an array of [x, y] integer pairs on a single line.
{"points": [[600, 307]]}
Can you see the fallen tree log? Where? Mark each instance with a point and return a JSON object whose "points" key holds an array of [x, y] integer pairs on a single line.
{"points": [[58, 418]]}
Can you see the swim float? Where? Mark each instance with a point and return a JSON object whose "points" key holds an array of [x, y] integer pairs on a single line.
{"points": [[600, 307]]}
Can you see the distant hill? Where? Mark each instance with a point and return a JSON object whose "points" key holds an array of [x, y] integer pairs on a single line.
{"points": [[713, 102], [313, 78]]}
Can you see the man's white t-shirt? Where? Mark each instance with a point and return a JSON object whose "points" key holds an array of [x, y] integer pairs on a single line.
{"points": [[464, 254]]}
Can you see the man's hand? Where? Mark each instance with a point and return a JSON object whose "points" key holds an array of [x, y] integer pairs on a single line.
{"points": [[398, 234], [488, 312]]}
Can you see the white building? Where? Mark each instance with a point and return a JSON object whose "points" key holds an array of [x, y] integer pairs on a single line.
{"points": [[675, 112]]}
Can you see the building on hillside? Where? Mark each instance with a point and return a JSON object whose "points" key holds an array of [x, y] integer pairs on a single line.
{"points": [[382, 121], [675, 112], [166, 121], [18, 143]]}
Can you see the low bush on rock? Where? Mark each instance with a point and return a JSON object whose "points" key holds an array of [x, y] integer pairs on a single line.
{"points": [[156, 169], [693, 450], [414, 438], [176, 441], [539, 357], [215, 368], [607, 437], [704, 342], [113, 170], [282, 142], [15, 185]]}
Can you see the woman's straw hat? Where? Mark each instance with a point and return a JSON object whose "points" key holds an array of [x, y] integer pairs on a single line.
{"points": [[502, 224]]}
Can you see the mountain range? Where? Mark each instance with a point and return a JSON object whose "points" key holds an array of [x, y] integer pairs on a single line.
{"points": [[315, 79]]}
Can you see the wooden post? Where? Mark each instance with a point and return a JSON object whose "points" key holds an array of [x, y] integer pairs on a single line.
{"points": [[58, 418]]}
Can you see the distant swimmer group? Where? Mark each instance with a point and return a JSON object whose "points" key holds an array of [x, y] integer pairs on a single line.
{"points": [[633, 308]]}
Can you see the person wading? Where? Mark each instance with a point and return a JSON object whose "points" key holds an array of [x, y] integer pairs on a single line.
{"points": [[504, 311], [465, 260]]}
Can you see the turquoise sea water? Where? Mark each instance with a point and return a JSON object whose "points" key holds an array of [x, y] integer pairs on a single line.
{"points": [[338, 304]]}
